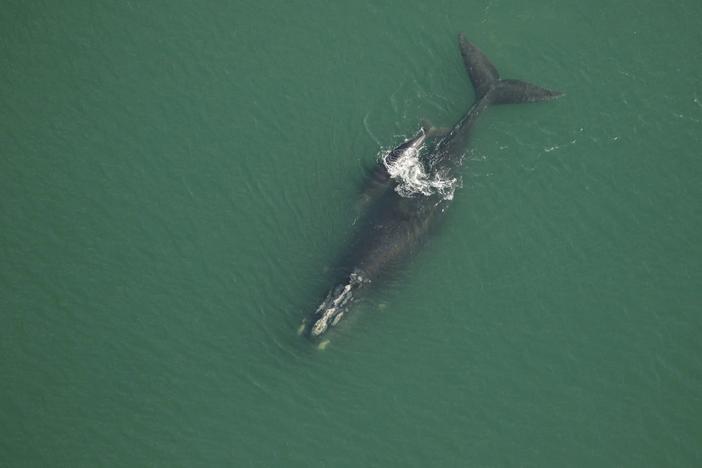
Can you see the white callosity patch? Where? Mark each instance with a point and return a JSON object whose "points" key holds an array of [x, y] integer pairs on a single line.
{"points": [[331, 309], [412, 179]]}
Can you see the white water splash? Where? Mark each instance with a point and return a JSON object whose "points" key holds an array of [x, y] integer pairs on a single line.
{"points": [[412, 179]]}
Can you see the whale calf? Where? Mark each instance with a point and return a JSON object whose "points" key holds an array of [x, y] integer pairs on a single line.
{"points": [[397, 220]]}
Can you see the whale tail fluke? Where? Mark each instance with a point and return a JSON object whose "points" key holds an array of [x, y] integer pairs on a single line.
{"points": [[488, 84]]}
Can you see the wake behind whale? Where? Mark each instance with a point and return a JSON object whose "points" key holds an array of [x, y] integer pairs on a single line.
{"points": [[411, 178], [411, 187]]}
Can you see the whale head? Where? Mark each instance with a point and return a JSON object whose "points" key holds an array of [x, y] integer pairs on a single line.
{"points": [[335, 305]]}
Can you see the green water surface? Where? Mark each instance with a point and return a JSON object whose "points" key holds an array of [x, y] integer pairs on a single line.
{"points": [[177, 178]]}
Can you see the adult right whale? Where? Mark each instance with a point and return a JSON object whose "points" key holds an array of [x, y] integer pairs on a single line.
{"points": [[397, 222]]}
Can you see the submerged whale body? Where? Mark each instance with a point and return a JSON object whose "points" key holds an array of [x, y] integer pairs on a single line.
{"points": [[399, 215]]}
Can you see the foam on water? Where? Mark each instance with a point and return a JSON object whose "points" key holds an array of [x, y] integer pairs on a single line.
{"points": [[412, 178]]}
